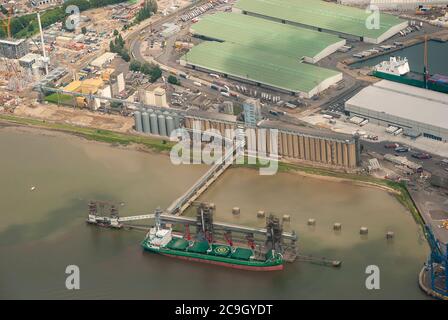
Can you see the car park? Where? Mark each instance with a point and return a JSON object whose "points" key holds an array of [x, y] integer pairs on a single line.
{"points": [[391, 146], [401, 149], [421, 156]]}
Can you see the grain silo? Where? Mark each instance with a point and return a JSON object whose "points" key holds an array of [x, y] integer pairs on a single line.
{"points": [[169, 125], [138, 121], [153, 123], [145, 122], [162, 125]]}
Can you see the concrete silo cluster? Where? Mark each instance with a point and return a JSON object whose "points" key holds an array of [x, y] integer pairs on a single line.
{"points": [[156, 122]]}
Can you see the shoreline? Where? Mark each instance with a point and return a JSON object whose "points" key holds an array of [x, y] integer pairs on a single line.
{"points": [[160, 146]]}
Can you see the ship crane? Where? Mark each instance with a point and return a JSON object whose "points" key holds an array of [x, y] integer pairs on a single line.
{"points": [[437, 263]]}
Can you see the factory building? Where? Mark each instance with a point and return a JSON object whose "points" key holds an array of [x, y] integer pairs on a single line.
{"points": [[13, 49], [263, 53], [154, 97], [95, 86], [323, 16], [103, 60], [394, 4], [304, 144], [294, 143], [417, 111]]}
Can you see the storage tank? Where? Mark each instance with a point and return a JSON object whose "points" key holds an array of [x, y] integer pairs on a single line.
{"points": [[145, 122], [169, 125], [153, 123], [176, 119], [138, 121], [162, 125]]}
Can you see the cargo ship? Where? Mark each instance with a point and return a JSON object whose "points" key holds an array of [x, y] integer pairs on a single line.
{"points": [[163, 241], [397, 69]]}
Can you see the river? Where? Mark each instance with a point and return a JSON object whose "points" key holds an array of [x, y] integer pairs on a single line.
{"points": [[44, 230], [437, 61]]}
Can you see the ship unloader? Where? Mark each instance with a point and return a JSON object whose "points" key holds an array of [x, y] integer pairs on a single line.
{"points": [[206, 249]]}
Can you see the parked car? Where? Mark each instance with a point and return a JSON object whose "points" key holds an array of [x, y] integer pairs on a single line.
{"points": [[421, 156], [391, 146], [402, 149]]}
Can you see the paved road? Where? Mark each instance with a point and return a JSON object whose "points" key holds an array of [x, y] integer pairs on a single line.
{"points": [[431, 165]]}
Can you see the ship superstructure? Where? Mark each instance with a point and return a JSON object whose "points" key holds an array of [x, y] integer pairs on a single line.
{"points": [[394, 66]]}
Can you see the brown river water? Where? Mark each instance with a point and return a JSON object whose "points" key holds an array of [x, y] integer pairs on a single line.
{"points": [[43, 231]]}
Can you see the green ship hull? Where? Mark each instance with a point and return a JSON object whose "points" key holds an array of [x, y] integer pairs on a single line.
{"points": [[217, 254], [416, 81]]}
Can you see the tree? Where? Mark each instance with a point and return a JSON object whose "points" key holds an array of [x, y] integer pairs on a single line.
{"points": [[135, 65], [173, 80], [116, 32], [155, 73], [125, 55], [84, 30], [146, 68], [120, 40], [112, 46], [149, 8]]}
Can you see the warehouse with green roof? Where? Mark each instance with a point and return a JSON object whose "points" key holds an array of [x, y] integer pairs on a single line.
{"points": [[261, 34], [348, 22], [263, 53], [262, 68]]}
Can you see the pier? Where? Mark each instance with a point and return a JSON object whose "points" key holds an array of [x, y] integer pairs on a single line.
{"points": [[260, 239], [201, 185]]}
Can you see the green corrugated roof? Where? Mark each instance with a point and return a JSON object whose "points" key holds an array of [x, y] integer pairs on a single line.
{"points": [[261, 66], [263, 34], [320, 14]]}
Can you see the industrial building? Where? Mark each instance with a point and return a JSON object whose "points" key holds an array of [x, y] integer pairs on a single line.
{"points": [[97, 86], [252, 112], [304, 144], [417, 111], [13, 49], [103, 60], [261, 68], [394, 4], [261, 34], [264, 53], [348, 22], [154, 97], [295, 143]]}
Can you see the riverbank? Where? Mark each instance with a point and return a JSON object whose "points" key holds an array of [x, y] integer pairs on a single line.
{"points": [[100, 135], [399, 190]]}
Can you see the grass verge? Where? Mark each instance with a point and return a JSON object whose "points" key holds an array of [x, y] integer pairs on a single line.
{"points": [[93, 134]]}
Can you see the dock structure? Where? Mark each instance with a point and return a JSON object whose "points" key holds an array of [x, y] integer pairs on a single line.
{"points": [[433, 278], [184, 201], [260, 239]]}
